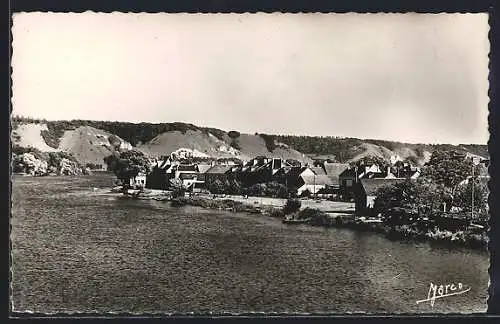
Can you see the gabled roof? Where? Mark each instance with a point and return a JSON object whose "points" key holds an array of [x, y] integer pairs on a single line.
{"points": [[319, 180], [186, 167], [371, 186], [335, 169], [406, 173], [318, 170], [294, 172], [219, 169], [202, 168], [348, 173], [187, 176], [164, 164]]}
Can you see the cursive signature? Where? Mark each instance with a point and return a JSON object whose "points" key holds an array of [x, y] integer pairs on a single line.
{"points": [[440, 291]]}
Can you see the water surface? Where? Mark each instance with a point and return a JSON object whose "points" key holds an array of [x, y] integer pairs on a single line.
{"points": [[79, 249]]}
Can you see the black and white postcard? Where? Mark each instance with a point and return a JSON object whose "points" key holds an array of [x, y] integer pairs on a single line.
{"points": [[249, 163]]}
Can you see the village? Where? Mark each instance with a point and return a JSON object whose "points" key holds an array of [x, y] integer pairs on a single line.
{"points": [[331, 187]]}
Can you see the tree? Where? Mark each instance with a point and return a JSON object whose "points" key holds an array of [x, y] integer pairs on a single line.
{"points": [[127, 164], [216, 186], [306, 193], [114, 141], [178, 188], [233, 134], [448, 168], [371, 159], [291, 206], [235, 144], [463, 195], [420, 195]]}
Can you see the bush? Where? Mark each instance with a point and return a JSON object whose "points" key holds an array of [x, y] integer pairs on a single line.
{"points": [[291, 206], [233, 134], [278, 213], [50, 139], [316, 216], [306, 193], [269, 140], [235, 144]]}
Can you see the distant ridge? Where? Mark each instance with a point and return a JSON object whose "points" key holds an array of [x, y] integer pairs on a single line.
{"points": [[90, 141]]}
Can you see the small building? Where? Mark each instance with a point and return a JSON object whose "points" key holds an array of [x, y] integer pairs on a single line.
{"points": [[261, 169], [185, 169], [218, 172], [313, 183], [160, 176], [347, 181], [333, 171], [138, 181], [365, 193], [372, 171], [191, 182]]}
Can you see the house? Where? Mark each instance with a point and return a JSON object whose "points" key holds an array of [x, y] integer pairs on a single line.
{"points": [[312, 179], [218, 172], [347, 181], [292, 176], [371, 171], [138, 181], [402, 169], [188, 174], [313, 183], [395, 159], [260, 170], [191, 182], [318, 170], [333, 171], [365, 193], [202, 169], [160, 175], [185, 169]]}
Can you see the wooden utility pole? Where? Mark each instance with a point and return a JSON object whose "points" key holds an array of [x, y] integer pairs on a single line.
{"points": [[472, 194]]}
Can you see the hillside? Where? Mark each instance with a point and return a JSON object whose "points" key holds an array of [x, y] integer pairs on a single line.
{"points": [[91, 141], [86, 144], [352, 149]]}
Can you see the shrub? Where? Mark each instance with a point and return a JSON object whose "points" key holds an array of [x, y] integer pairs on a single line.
{"points": [[269, 140], [316, 216], [306, 193], [235, 144], [278, 213], [291, 206], [233, 134], [50, 138]]}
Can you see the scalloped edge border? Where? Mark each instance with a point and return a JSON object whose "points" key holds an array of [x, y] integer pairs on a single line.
{"points": [[493, 231]]}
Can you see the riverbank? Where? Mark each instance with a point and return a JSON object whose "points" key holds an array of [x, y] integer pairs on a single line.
{"points": [[470, 238]]}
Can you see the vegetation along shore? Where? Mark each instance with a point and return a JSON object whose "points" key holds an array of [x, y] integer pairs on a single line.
{"points": [[399, 224]]}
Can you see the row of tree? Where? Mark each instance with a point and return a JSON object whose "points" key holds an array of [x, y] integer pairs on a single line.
{"points": [[441, 186]]}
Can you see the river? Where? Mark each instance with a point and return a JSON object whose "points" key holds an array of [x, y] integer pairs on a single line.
{"points": [[75, 248]]}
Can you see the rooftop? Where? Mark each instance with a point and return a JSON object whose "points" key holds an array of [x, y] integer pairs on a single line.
{"points": [[371, 186], [219, 169]]}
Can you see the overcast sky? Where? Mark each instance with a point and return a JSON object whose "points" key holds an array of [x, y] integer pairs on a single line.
{"points": [[405, 77]]}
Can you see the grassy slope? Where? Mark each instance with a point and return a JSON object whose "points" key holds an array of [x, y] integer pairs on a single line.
{"points": [[164, 138]]}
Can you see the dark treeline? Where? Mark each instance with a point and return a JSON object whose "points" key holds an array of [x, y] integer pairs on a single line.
{"points": [[134, 133], [343, 149]]}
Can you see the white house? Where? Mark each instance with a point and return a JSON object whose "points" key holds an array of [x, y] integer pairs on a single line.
{"points": [[139, 180], [312, 182]]}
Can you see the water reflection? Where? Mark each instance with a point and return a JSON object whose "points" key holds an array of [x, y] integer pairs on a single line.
{"points": [[94, 252]]}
